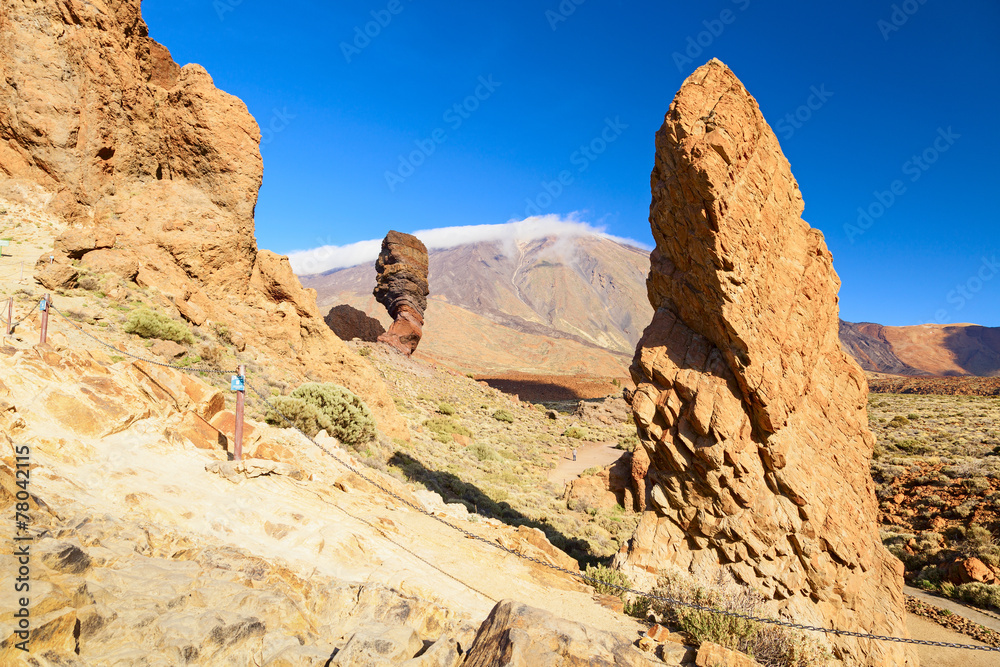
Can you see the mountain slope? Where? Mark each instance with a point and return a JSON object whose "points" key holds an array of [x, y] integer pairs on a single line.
{"points": [[579, 305]]}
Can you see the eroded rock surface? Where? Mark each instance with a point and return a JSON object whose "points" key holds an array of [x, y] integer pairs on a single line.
{"points": [[402, 288], [755, 447], [157, 172]]}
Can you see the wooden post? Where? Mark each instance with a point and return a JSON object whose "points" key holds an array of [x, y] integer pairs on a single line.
{"points": [[10, 314], [45, 319], [238, 435]]}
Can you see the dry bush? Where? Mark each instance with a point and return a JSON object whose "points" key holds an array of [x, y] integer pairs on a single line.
{"points": [[770, 645]]}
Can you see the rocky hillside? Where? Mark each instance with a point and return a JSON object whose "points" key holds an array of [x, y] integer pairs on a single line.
{"points": [[150, 175], [148, 545], [927, 349]]}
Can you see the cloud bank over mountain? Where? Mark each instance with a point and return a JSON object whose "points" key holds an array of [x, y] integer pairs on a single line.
{"points": [[328, 257]]}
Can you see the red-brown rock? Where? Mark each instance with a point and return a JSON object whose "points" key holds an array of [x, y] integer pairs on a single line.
{"points": [[751, 415], [402, 288]]}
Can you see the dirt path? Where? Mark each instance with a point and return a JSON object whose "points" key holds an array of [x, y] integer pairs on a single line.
{"points": [[946, 657], [985, 618], [588, 455]]}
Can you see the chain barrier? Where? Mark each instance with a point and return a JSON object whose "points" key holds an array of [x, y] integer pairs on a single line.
{"points": [[496, 545], [189, 369], [595, 582]]}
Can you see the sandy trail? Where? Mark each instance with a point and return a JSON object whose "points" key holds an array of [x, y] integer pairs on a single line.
{"points": [[946, 657], [588, 455]]}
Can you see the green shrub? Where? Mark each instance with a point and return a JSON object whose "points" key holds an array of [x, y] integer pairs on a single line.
{"points": [[365, 352], [483, 452], [150, 324], [340, 412], [575, 432], [503, 416], [899, 420], [590, 471], [981, 595], [599, 576], [628, 442], [447, 409], [442, 428]]}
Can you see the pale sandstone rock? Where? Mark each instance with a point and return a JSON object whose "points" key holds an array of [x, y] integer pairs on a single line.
{"points": [[752, 418]]}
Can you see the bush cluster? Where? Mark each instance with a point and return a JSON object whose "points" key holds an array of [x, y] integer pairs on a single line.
{"points": [[503, 416], [340, 412], [770, 645], [150, 324], [575, 432]]}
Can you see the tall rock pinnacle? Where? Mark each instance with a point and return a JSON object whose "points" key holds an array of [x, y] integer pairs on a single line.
{"points": [[755, 443], [402, 288]]}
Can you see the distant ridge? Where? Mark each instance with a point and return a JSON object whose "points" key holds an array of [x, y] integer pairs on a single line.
{"points": [[579, 305]]}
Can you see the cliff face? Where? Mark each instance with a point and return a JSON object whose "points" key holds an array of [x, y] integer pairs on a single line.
{"points": [[755, 444], [157, 171]]}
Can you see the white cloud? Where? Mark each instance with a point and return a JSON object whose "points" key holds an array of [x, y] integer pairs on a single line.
{"points": [[328, 257]]}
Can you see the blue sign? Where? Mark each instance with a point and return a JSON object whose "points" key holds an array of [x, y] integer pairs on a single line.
{"points": [[237, 383], [41, 304]]}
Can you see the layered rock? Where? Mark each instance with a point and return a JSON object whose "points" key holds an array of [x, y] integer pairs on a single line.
{"points": [[402, 288], [755, 446], [158, 170]]}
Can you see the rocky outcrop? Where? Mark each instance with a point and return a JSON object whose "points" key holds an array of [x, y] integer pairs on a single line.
{"points": [[752, 417], [349, 323], [402, 288], [158, 172]]}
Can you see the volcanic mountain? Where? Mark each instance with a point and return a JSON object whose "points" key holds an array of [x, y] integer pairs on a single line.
{"points": [[552, 305], [575, 305]]}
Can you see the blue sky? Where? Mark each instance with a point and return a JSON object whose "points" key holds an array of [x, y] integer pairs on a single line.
{"points": [[362, 133]]}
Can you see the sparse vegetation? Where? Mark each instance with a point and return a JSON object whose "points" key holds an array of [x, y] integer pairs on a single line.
{"points": [[151, 324], [340, 412], [769, 645], [575, 432], [443, 428]]}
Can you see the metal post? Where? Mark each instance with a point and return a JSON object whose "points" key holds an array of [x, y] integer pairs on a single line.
{"points": [[238, 435], [45, 319], [10, 314]]}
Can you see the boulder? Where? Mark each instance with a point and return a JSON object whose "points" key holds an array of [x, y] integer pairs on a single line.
{"points": [[402, 288], [349, 323], [754, 442], [517, 635]]}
